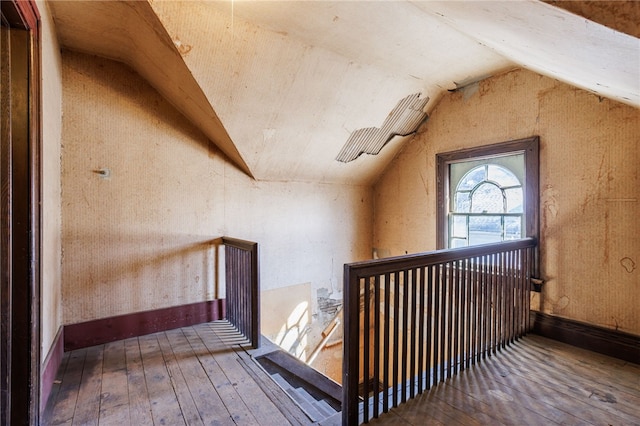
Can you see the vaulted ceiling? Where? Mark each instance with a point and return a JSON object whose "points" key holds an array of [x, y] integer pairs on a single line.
{"points": [[280, 86]]}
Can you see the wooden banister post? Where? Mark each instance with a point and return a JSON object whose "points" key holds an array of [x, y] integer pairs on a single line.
{"points": [[350, 367]]}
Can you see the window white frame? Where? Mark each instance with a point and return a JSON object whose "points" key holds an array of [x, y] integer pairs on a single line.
{"points": [[500, 216]]}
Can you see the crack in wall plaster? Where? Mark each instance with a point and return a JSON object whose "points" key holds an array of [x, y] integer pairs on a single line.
{"points": [[628, 264]]}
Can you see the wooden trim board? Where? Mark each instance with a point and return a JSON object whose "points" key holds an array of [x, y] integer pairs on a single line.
{"points": [[609, 342], [50, 368], [104, 330]]}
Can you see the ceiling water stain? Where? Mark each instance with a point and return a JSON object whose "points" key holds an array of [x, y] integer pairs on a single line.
{"points": [[184, 49]]}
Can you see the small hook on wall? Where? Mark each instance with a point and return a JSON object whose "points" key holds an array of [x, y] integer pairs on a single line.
{"points": [[103, 173]]}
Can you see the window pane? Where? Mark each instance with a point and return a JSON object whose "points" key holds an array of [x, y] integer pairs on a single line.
{"points": [[502, 176], [514, 200], [463, 202], [485, 229], [512, 228], [459, 227], [458, 242], [487, 198], [471, 179]]}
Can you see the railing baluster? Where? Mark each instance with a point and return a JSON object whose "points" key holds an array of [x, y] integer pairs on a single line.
{"points": [[430, 325], [501, 301], [376, 345], [497, 302], [526, 275], [437, 321], [508, 300], [449, 331], [513, 296], [420, 367], [494, 318], [387, 327], [485, 307], [473, 319], [457, 308], [510, 291], [515, 306], [396, 337], [520, 330], [495, 287], [524, 288], [366, 329], [440, 313], [507, 303], [442, 323], [479, 307], [412, 352], [406, 354], [513, 300], [464, 315]]}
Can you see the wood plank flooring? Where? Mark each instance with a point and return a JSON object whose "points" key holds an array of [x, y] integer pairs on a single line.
{"points": [[536, 381], [199, 375], [189, 376]]}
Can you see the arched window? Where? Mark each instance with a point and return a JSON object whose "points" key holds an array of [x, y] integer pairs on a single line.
{"points": [[487, 194], [487, 206]]}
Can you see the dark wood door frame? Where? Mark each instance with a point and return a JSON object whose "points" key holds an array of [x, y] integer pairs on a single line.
{"points": [[20, 224]]}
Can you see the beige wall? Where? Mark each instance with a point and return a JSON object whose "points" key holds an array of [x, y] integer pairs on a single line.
{"points": [[51, 217], [590, 188], [137, 239]]}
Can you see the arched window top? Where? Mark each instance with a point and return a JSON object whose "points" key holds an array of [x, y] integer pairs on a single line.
{"points": [[498, 175], [502, 176], [487, 198], [488, 188]]}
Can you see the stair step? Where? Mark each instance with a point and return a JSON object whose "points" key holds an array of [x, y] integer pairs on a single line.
{"points": [[306, 374], [334, 420], [319, 396], [324, 408], [281, 381]]}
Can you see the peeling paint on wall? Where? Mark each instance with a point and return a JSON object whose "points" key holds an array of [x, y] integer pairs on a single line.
{"points": [[403, 120]]}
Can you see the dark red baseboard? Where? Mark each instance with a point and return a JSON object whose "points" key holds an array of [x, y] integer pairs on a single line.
{"points": [[597, 339], [97, 332], [50, 368]]}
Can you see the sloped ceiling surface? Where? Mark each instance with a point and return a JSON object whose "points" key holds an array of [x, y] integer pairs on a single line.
{"points": [[130, 32], [280, 86], [552, 42]]}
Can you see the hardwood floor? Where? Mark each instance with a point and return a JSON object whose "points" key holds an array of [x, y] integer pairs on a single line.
{"points": [[536, 381], [193, 375]]}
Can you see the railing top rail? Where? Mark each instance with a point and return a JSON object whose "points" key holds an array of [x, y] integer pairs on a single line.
{"points": [[238, 243], [398, 263]]}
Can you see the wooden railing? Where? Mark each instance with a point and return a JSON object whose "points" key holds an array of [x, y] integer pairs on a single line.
{"points": [[243, 287], [413, 321]]}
